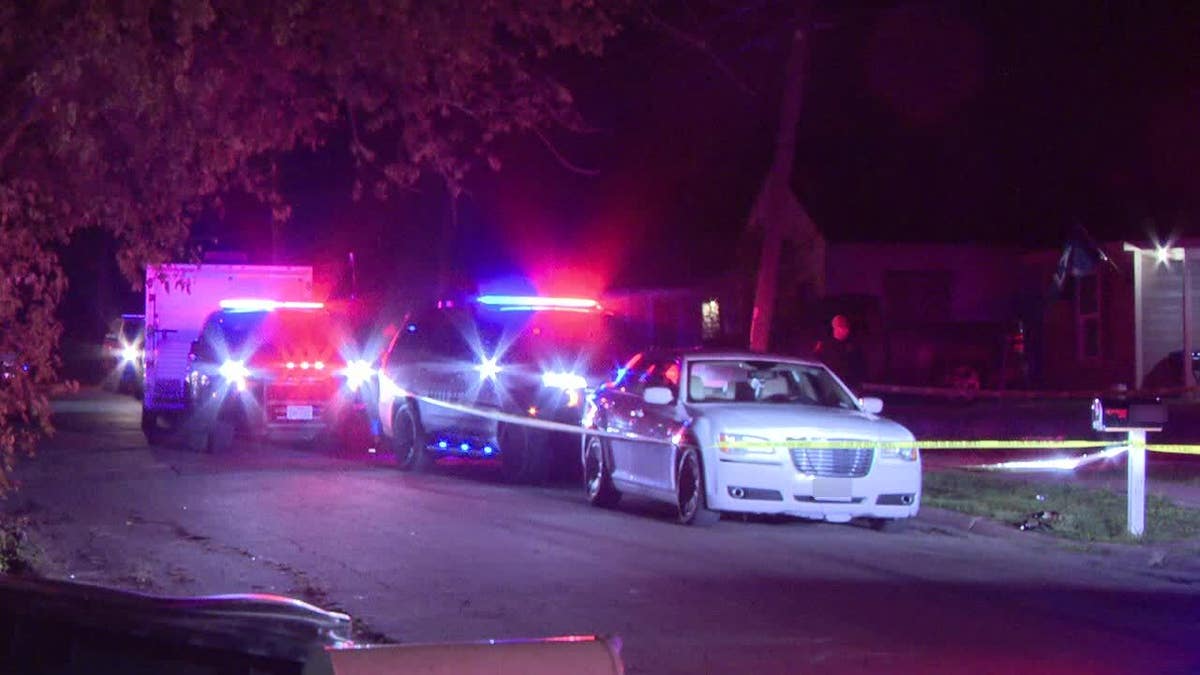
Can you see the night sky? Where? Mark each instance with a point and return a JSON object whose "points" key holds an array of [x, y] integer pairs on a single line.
{"points": [[998, 122]]}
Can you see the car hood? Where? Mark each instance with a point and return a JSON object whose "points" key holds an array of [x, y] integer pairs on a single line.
{"points": [[783, 421]]}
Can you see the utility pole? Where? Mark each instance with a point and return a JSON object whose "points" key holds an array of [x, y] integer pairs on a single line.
{"points": [[777, 210], [1189, 375]]}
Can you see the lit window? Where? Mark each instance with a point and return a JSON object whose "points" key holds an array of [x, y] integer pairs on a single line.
{"points": [[710, 315]]}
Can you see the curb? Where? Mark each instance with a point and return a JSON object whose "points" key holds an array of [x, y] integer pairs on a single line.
{"points": [[1175, 561]]}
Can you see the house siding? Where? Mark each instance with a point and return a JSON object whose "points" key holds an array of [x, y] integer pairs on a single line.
{"points": [[1162, 317]]}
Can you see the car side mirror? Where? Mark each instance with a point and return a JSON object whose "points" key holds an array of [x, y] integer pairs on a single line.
{"points": [[871, 404], [657, 395]]}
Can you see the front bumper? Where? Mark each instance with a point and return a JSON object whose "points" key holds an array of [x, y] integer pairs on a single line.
{"points": [[454, 432], [267, 406], [890, 489]]}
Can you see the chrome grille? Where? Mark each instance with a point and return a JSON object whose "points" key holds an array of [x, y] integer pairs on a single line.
{"points": [[835, 462]]}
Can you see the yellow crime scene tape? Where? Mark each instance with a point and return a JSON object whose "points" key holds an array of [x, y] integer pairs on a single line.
{"points": [[960, 444], [986, 444]]}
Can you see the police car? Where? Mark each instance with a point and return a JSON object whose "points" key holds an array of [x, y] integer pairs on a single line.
{"points": [[477, 378], [267, 368]]}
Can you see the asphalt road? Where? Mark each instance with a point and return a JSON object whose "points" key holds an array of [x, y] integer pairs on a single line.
{"points": [[455, 556]]}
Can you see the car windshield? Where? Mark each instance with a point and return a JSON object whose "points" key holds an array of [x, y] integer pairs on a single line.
{"points": [[766, 382], [589, 341]]}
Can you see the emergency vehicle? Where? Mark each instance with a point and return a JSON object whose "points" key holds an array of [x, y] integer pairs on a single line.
{"points": [[283, 369], [471, 378], [178, 299]]}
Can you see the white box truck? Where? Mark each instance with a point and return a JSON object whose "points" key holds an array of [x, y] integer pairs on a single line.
{"points": [[179, 297]]}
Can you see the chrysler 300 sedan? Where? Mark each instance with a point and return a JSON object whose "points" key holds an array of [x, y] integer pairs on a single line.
{"points": [[741, 432]]}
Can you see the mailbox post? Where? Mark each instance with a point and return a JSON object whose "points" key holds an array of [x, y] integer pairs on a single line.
{"points": [[1135, 418]]}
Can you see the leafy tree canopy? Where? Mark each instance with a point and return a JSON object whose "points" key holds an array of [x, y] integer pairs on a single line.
{"points": [[132, 116]]}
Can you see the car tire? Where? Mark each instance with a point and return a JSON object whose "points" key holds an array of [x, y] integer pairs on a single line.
{"points": [[597, 478], [153, 429], [219, 439], [353, 433], [150, 427], [690, 500], [408, 440], [523, 454]]}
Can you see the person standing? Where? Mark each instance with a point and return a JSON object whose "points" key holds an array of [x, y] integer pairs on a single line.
{"points": [[842, 353]]}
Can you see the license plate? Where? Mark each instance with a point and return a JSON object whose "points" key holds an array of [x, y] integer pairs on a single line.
{"points": [[831, 489], [299, 412]]}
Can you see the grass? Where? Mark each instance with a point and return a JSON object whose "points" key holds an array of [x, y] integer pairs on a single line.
{"points": [[1085, 514]]}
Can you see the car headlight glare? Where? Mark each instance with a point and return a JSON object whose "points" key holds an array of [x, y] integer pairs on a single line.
{"points": [[235, 372], [488, 368], [907, 453], [741, 445], [563, 380], [130, 353], [357, 372]]}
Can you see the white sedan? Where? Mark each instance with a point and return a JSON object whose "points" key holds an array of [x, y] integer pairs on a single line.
{"points": [[741, 432]]}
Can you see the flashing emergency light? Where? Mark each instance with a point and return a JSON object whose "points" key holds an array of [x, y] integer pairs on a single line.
{"points": [[262, 305], [560, 380], [130, 353], [235, 372], [357, 372], [488, 368], [536, 302]]}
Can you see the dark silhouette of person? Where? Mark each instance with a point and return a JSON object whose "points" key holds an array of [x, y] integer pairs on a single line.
{"points": [[842, 353]]}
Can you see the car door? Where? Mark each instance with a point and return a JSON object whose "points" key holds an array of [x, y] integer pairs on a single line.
{"points": [[620, 403], [654, 460]]}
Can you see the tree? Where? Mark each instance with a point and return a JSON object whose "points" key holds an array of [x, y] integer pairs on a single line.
{"points": [[133, 116], [717, 31]]}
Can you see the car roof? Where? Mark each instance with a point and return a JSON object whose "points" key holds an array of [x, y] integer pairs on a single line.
{"points": [[739, 355]]}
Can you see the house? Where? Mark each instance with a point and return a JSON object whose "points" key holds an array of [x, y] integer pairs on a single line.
{"points": [[1043, 318], [1166, 285]]}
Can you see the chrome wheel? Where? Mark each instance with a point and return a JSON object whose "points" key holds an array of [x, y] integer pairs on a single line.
{"points": [[689, 491], [596, 477], [408, 442]]}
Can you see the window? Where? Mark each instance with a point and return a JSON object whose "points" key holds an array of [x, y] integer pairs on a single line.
{"points": [[766, 382], [1087, 316], [710, 317]]}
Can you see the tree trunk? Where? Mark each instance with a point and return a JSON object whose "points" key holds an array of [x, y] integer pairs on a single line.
{"points": [[768, 208]]}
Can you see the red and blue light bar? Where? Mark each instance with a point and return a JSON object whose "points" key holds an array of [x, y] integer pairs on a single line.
{"points": [[537, 302], [262, 305]]}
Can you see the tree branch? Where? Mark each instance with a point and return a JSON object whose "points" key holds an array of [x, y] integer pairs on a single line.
{"points": [[700, 45], [22, 123], [559, 156]]}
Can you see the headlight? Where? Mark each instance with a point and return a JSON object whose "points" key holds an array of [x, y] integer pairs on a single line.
{"points": [[908, 453], [357, 372], [235, 372], [559, 380], [130, 353], [488, 368], [740, 445]]}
